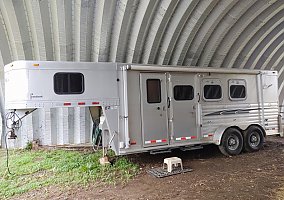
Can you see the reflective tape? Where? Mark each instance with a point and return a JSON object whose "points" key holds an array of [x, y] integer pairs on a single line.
{"points": [[186, 138], [155, 141], [81, 103], [208, 135]]}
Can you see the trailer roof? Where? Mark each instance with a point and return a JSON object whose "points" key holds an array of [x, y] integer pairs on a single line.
{"points": [[58, 65], [140, 67]]}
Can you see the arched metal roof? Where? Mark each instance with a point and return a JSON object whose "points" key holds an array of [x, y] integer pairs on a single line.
{"points": [[220, 33]]}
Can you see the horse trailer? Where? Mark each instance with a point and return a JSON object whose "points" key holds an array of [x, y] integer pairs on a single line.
{"points": [[154, 108]]}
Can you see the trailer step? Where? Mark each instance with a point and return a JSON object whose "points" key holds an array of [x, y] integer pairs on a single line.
{"points": [[188, 148], [154, 152], [161, 173]]}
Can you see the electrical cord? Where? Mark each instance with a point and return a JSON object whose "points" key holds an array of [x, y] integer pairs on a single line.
{"points": [[14, 118], [7, 154], [16, 122]]}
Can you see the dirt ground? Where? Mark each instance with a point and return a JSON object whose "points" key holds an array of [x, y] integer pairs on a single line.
{"points": [[256, 175]]}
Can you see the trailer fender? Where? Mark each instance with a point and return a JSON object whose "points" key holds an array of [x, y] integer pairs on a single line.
{"points": [[218, 135]]}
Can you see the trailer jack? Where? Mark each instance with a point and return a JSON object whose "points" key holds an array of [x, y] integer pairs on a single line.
{"points": [[104, 160]]}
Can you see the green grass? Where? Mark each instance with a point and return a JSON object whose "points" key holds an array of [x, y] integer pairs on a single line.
{"points": [[35, 169]]}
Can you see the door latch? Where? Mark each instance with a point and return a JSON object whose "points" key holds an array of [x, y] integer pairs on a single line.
{"points": [[169, 102]]}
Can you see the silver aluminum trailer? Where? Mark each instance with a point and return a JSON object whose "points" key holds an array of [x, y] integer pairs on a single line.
{"points": [[155, 108]]}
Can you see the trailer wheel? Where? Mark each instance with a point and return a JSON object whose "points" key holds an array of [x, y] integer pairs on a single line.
{"points": [[253, 139], [232, 142]]}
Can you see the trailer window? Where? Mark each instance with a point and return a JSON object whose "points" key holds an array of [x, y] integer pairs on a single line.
{"points": [[237, 91], [153, 90], [212, 92], [68, 83], [183, 92]]}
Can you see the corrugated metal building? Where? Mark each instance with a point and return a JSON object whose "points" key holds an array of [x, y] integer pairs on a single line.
{"points": [[220, 33]]}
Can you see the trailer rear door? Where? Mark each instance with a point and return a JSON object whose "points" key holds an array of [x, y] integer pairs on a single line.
{"points": [[153, 109]]}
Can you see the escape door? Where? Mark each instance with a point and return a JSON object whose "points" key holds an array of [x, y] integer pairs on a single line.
{"points": [[183, 95], [154, 109]]}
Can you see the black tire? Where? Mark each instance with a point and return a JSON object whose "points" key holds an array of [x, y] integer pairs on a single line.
{"points": [[232, 142], [253, 139]]}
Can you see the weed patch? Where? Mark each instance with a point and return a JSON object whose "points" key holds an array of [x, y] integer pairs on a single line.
{"points": [[36, 169]]}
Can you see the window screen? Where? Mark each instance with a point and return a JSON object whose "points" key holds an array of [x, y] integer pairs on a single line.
{"points": [[183, 92], [153, 90], [212, 92], [237, 91], [68, 83]]}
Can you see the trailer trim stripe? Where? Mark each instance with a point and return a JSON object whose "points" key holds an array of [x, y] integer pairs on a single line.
{"points": [[232, 112]]}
